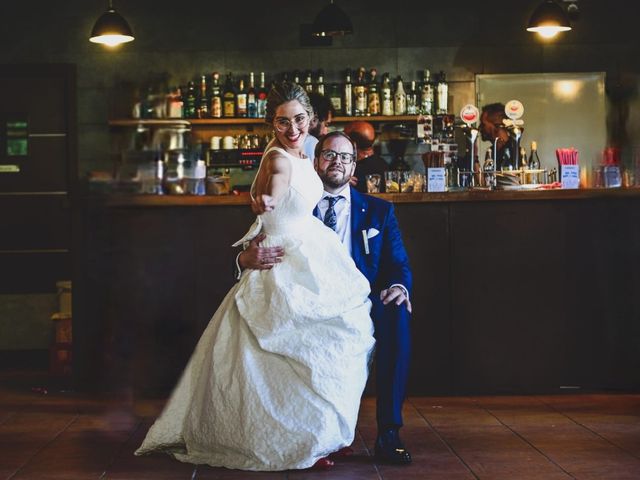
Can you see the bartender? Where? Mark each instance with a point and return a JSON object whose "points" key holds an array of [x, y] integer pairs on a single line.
{"points": [[367, 162], [492, 130]]}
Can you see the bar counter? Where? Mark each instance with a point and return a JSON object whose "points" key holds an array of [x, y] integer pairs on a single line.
{"points": [[514, 291], [461, 196]]}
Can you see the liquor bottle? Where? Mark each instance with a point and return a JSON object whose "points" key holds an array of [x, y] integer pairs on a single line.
{"points": [[252, 99], [347, 95], [360, 94], [190, 101], [426, 93], [241, 100], [229, 98], [387, 98], [412, 99], [203, 99], [296, 77], [320, 84], [146, 103], [308, 82], [400, 99], [262, 97], [336, 98], [216, 96], [373, 94], [534, 159], [443, 94]]}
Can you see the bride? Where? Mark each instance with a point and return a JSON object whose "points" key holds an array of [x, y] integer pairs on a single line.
{"points": [[275, 380]]}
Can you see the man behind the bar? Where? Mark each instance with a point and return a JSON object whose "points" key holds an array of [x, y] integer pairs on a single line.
{"points": [[492, 130], [364, 135], [323, 113], [368, 227]]}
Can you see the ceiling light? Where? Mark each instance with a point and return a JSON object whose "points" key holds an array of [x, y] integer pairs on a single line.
{"points": [[549, 19], [331, 21], [111, 29]]}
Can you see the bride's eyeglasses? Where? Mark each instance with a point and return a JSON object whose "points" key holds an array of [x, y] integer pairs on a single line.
{"points": [[331, 155], [283, 124]]}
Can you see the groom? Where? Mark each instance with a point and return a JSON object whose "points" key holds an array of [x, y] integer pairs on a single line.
{"points": [[367, 226]]}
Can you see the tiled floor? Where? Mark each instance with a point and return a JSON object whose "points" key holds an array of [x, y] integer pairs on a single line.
{"points": [[67, 436]]}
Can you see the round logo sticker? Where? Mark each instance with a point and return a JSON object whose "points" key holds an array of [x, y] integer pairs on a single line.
{"points": [[514, 109], [469, 114]]}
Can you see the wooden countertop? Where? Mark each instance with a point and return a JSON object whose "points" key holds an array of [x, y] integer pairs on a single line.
{"points": [[122, 200]]}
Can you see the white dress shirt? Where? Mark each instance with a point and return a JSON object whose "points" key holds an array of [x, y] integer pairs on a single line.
{"points": [[343, 214]]}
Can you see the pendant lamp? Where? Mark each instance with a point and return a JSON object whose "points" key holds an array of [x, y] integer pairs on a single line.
{"points": [[331, 21], [111, 29], [549, 19]]}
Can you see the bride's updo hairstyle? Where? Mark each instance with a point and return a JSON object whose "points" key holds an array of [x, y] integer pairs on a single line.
{"points": [[284, 92]]}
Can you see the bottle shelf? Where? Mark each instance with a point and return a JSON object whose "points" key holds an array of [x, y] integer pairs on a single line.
{"points": [[247, 121]]}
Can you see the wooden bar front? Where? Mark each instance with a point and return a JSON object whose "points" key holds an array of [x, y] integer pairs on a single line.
{"points": [[515, 292]]}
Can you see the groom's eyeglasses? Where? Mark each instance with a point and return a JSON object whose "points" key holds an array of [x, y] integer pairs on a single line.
{"points": [[331, 155]]}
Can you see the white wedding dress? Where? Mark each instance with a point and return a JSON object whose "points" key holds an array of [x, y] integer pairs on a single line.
{"points": [[276, 378]]}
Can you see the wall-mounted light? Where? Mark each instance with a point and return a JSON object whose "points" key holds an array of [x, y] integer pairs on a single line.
{"points": [[111, 29], [549, 19], [331, 21]]}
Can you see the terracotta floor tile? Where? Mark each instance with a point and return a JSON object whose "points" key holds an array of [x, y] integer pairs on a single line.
{"points": [[491, 451], [457, 415]]}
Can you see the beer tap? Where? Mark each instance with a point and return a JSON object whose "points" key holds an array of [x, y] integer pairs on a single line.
{"points": [[470, 116], [514, 125]]}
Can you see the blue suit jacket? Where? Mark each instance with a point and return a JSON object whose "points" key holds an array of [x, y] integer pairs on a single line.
{"points": [[386, 262]]}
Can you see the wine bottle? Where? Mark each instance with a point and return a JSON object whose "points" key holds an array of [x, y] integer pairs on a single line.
{"points": [[252, 99], [320, 85], [400, 99], [336, 98], [308, 82], [216, 96], [262, 97], [203, 99], [229, 98], [443, 94], [190, 101], [373, 94], [347, 95], [534, 159], [241, 100], [360, 93], [387, 98], [426, 93], [412, 99]]}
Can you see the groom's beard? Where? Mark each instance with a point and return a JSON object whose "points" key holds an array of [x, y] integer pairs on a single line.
{"points": [[334, 177]]}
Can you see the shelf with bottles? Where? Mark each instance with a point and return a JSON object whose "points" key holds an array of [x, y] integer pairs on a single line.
{"points": [[210, 101]]}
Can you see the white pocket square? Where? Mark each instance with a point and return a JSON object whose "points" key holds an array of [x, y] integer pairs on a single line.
{"points": [[372, 232]]}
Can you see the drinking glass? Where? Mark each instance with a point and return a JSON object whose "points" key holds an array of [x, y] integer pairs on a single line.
{"points": [[392, 181], [373, 183]]}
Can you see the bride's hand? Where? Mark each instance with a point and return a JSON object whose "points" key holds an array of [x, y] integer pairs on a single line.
{"points": [[263, 203]]}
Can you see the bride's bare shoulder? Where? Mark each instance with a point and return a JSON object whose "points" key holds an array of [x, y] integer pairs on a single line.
{"points": [[276, 162]]}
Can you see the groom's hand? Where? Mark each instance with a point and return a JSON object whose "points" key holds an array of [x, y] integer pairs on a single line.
{"points": [[256, 257], [397, 295]]}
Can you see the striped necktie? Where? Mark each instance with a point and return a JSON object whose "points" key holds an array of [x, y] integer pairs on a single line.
{"points": [[330, 219]]}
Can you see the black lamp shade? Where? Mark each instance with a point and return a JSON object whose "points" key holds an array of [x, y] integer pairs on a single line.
{"points": [[549, 14], [113, 26], [331, 21]]}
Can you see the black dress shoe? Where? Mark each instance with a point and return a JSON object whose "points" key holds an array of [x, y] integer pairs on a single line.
{"points": [[389, 448]]}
